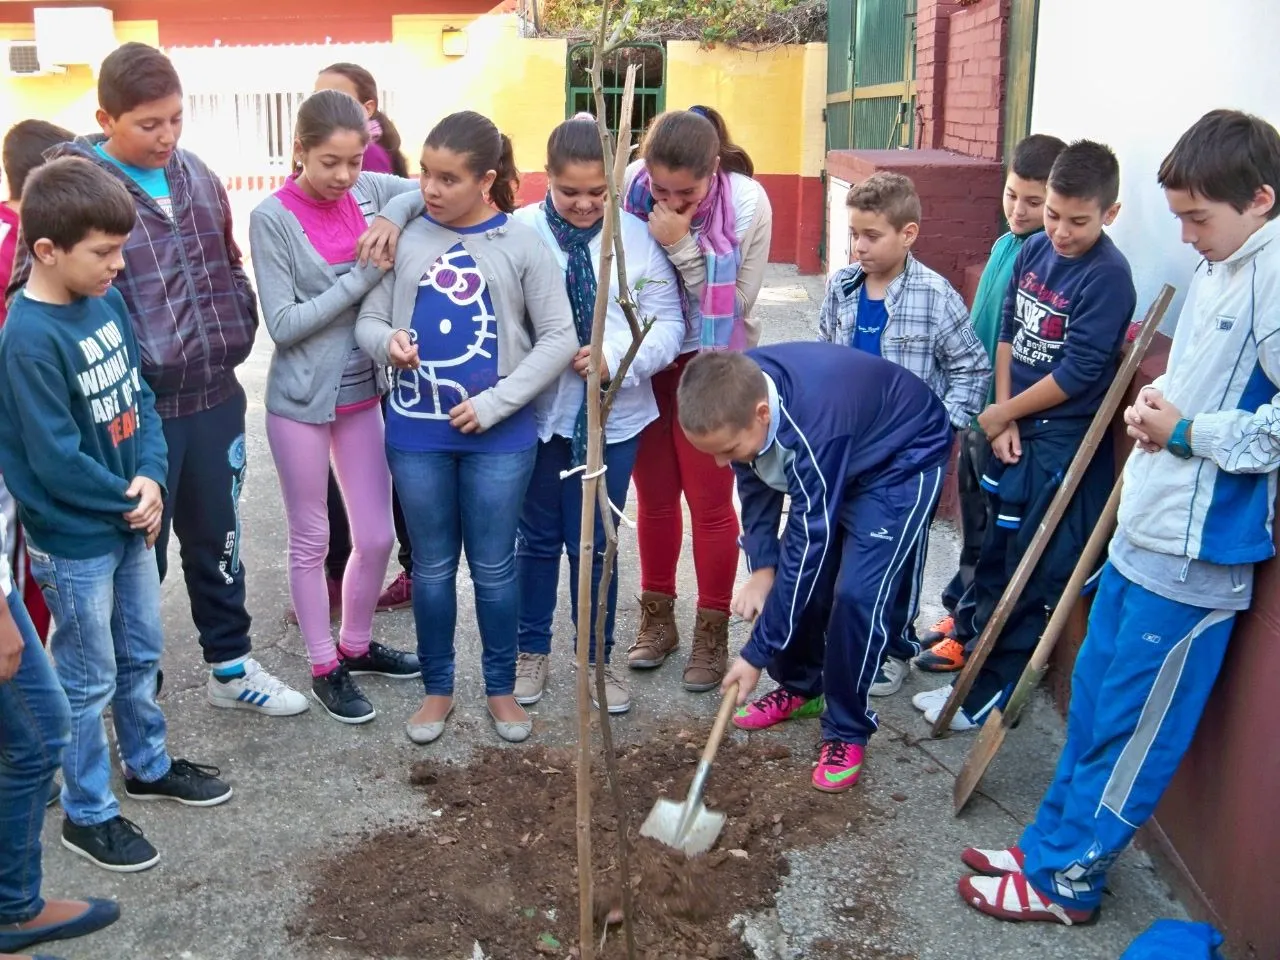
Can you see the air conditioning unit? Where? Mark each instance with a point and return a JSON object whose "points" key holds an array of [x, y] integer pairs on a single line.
{"points": [[22, 59], [74, 36]]}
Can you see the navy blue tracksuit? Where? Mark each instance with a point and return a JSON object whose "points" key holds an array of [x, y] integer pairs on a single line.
{"points": [[860, 445], [1020, 496]]}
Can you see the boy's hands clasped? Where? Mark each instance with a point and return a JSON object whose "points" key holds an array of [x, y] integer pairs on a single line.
{"points": [[147, 514], [1151, 420]]}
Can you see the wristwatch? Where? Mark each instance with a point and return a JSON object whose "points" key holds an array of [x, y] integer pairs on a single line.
{"points": [[1178, 444]]}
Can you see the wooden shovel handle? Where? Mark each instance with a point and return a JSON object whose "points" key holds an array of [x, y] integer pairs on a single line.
{"points": [[727, 703]]}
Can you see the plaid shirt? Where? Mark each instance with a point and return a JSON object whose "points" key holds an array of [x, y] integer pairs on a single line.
{"points": [[192, 306], [928, 332]]}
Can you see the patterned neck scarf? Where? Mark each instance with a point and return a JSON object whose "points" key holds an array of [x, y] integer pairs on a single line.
{"points": [[723, 325], [582, 285]]}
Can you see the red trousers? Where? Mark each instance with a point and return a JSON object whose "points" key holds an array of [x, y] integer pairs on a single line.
{"points": [[667, 465]]}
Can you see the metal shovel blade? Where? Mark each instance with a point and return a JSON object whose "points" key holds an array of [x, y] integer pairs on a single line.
{"points": [[691, 829]]}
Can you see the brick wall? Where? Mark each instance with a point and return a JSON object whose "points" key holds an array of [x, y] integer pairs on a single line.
{"points": [[960, 198], [960, 70], [973, 97]]}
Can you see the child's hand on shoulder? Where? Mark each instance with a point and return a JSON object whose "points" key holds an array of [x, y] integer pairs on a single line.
{"points": [[1007, 446], [748, 601], [377, 245], [146, 515]]}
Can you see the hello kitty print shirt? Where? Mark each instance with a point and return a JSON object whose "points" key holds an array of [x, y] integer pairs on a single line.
{"points": [[455, 330]]}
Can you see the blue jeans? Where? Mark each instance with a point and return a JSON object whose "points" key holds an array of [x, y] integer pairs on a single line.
{"points": [[454, 500], [106, 643], [34, 728], [550, 525]]}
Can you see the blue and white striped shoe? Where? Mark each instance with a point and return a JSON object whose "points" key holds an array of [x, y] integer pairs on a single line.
{"points": [[257, 690]]}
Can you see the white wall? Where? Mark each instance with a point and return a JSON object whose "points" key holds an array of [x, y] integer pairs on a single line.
{"points": [[837, 225], [1134, 74]]}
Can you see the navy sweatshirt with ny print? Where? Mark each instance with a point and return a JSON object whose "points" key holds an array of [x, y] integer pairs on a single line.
{"points": [[842, 422], [1068, 316]]}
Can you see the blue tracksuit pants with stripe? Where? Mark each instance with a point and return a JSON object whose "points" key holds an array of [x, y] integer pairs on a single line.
{"points": [[1140, 684], [842, 635]]}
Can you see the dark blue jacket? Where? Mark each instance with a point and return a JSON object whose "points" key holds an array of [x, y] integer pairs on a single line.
{"points": [[1068, 317], [847, 422]]}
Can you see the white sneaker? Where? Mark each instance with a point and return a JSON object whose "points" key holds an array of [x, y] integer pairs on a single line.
{"points": [[960, 723], [889, 677], [531, 677], [616, 694], [933, 699], [256, 690]]}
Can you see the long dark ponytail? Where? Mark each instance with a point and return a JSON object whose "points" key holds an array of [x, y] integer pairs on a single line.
{"points": [[692, 140], [474, 136], [367, 92]]}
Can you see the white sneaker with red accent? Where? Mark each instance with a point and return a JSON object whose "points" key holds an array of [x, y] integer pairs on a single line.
{"points": [[1011, 897], [993, 863]]}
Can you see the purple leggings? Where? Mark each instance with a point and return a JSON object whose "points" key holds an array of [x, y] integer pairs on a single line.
{"points": [[301, 452]]}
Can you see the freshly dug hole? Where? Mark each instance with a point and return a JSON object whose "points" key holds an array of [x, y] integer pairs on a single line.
{"points": [[497, 864]]}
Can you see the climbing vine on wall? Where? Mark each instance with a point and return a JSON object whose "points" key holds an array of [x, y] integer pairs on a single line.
{"points": [[711, 22]]}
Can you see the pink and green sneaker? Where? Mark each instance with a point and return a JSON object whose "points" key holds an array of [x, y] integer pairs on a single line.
{"points": [[839, 765], [775, 707]]}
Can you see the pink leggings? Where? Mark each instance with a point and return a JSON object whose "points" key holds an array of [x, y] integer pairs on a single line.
{"points": [[301, 452]]}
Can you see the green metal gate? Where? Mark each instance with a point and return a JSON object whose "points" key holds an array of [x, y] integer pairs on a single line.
{"points": [[871, 74], [651, 91]]}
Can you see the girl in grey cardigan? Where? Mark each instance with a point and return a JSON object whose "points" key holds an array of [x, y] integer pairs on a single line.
{"points": [[322, 391], [477, 322]]}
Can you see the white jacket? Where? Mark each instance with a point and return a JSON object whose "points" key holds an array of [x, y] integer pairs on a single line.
{"points": [[1223, 374], [634, 407]]}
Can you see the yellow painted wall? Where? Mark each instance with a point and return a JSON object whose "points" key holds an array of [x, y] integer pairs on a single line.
{"points": [[772, 99], [768, 98], [518, 83], [68, 99]]}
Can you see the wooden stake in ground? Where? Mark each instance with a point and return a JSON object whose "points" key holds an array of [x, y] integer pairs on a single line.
{"points": [[1098, 431]]}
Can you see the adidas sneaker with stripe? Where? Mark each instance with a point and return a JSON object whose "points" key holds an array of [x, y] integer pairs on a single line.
{"points": [[257, 690]]}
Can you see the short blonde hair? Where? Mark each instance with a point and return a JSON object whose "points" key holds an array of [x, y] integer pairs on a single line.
{"points": [[891, 194]]}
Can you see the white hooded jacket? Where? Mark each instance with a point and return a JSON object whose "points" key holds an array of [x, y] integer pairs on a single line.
{"points": [[1223, 373]]}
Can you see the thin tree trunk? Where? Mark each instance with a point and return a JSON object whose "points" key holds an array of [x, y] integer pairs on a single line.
{"points": [[614, 170]]}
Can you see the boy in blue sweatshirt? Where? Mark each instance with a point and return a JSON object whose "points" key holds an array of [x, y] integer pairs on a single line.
{"points": [[1065, 318], [889, 304], [1024, 192], [1195, 518], [83, 452], [863, 466]]}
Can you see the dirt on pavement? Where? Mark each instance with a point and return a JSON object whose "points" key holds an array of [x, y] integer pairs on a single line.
{"points": [[493, 858]]}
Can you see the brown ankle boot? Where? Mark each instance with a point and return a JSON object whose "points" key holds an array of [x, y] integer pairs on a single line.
{"points": [[710, 654], [657, 636]]}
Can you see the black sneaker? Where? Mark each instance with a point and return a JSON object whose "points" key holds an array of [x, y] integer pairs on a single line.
{"points": [[341, 698], [385, 662], [191, 784], [117, 845]]}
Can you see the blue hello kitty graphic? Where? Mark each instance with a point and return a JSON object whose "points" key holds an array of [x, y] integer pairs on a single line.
{"points": [[455, 331], [458, 329]]}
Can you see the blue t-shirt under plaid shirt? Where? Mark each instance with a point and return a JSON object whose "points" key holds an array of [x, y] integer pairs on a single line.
{"points": [[872, 316], [455, 331]]}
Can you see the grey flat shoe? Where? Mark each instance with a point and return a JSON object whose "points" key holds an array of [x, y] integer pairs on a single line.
{"points": [[424, 733], [512, 731]]}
